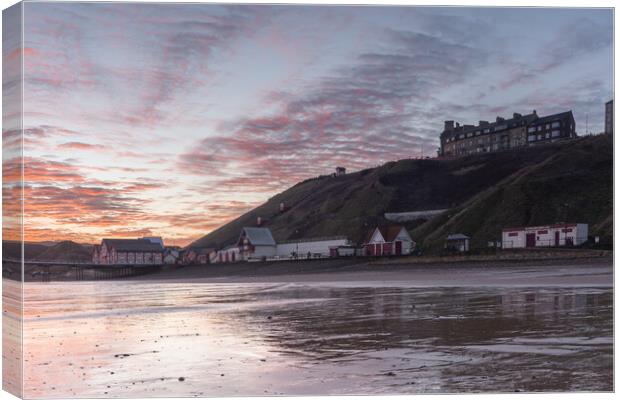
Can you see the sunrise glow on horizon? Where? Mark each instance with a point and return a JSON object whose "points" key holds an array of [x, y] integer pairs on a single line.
{"points": [[172, 119]]}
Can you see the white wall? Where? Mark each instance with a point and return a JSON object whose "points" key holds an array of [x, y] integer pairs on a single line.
{"points": [[545, 239], [513, 242], [407, 243], [377, 237], [302, 248], [577, 232], [582, 234], [346, 251], [408, 246], [263, 251], [545, 236]]}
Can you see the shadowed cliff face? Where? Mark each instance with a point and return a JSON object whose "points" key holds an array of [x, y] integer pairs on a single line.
{"points": [[557, 182]]}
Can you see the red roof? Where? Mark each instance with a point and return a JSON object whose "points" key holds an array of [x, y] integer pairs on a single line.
{"points": [[389, 233]]}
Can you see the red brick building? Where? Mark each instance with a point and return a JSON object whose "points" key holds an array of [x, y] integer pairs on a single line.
{"points": [[391, 240], [128, 252]]}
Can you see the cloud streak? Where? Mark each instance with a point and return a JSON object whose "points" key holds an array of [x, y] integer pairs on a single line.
{"points": [[362, 115]]}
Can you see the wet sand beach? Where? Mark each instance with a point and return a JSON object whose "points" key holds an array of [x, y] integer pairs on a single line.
{"points": [[589, 271], [532, 329]]}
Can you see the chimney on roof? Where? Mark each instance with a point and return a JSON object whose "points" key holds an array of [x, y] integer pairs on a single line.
{"points": [[499, 119], [448, 125], [458, 125], [534, 112], [516, 115]]}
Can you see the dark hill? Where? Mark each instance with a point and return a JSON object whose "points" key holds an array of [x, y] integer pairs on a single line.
{"points": [[569, 181], [13, 250], [65, 251]]}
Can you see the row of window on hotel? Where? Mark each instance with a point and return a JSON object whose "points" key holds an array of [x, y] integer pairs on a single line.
{"points": [[529, 130], [540, 127], [530, 138]]}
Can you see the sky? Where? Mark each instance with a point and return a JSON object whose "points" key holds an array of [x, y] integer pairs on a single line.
{"points": [[173, 119]]}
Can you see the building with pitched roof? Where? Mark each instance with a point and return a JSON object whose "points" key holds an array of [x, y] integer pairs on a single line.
{"points": [[197, 255], [505, 134], [256, 243], [457, 242], [229, 254], [389, 240], [555, 235], [128, 252], [551, 128], [172, 255]]}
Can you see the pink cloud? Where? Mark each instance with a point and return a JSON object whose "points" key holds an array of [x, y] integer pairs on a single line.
{"points": [[82, 146], [23, 51]]}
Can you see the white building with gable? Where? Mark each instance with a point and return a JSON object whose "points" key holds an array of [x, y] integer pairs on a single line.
{"points": [[556, 235], [256, 243]]}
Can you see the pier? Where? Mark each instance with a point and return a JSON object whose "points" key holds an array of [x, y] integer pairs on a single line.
{"points": [[47, 271]]}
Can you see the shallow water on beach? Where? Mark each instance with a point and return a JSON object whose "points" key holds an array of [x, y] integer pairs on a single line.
{"points": [[139, 339]]}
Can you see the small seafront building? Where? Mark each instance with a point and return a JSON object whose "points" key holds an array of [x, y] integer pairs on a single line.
{"points": [[345, 251], [457, 242], [256, 243], [556, 235], [391, 240], [228, 254], [197, 255], [128, 252], [171, 256], [311, 247]]}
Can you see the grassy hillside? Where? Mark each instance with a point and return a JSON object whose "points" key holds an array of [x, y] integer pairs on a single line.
{"points": [[574, 184], [544, 184]]}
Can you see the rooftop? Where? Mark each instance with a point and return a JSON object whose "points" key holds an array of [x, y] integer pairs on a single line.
{"points": [[132, 245], [389, 233], [259, 236], [553, 117], [499, 124], [457, 236]]}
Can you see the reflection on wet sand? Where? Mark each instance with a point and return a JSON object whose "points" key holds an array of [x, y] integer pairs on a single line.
{"points": [[11, 336], [179, 339]]}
